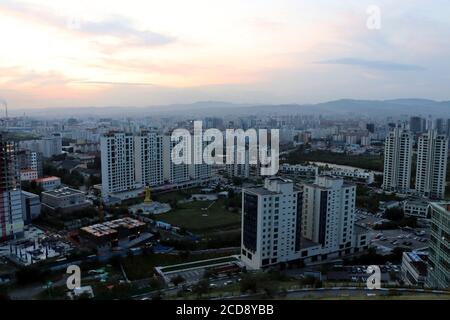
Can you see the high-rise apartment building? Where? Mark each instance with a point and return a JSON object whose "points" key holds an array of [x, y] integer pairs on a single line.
{"points": [[239, 168], [200, 170], [117, 157], [439, 126], [270, 223], [439, 247], [417, 125], [315, 222], [432, 151], [11, 219], [397, 160], [175, 173], [149, 159], [329, 214]]}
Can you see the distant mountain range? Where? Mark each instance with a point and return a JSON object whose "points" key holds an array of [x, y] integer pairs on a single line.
{"points": [[343, 107]]}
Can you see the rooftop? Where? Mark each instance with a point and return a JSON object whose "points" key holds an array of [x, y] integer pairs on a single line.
{"points": [[260, 191], [46, 179], [442, 206], [63, 192], [111, 227]]}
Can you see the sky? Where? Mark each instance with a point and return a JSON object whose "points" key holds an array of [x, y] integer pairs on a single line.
{"points": [[85, 53]]}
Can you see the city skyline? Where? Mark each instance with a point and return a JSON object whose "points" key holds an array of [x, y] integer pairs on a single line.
{"points": [[146, 53]]}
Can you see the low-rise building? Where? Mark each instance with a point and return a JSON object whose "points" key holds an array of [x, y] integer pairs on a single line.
{"points": [[31, 206], [298, 169], [28, 174], [416, 208], [116, 234], [48, 183], [354, 174], [414, 268], [64, 200]]}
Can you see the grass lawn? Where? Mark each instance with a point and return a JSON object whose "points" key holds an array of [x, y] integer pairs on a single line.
{"points": [[193, 218], [177, 195], [370, 162]]}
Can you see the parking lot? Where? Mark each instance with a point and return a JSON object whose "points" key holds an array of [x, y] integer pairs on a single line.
{"points": [[359, 273], [415, 239]]}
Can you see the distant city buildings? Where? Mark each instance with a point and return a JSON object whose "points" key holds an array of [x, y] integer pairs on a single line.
{"points": [[432, 153], [417, 125], [397, 160], [48, 146]]}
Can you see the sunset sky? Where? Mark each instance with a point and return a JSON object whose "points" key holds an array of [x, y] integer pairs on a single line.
{"points": [[56, 53]]}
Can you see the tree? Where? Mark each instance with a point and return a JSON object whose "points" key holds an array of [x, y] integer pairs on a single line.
{"points": [[177, 280], [237, 181], [249, 283], [201, 287], [394, 214], [155, 284]]}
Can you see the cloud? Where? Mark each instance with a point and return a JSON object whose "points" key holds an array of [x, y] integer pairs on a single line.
{"points": [[116, 26], [115, 83], [373, 64], [122, 28]]}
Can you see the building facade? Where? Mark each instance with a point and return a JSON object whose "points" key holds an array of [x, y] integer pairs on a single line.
{"points": [[439, 246], [11, 219], [414, 268], [175, 173], [64, 200], [270, 223], [282, 223], [329, 214], [31, 204], [149, 159], [432, 152], [118, 167], [397, 160]]}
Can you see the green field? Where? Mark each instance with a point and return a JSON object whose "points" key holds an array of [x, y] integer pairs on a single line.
{"points": [[370, 162], [193, 218], [174, 195]]}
